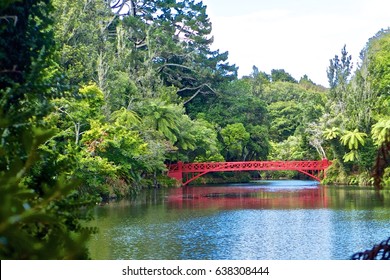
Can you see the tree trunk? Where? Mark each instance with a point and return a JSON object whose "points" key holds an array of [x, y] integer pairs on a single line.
{"points": [[382, 161]]}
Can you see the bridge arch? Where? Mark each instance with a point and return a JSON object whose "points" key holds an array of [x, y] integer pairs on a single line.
{"points": [[315, 169]]}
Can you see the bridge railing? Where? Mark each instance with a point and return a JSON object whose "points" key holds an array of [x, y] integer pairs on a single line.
{"points": [[255, 165], [311, 168]]}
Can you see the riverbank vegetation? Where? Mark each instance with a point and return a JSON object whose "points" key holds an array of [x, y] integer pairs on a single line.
{"points": [[96, 100]]}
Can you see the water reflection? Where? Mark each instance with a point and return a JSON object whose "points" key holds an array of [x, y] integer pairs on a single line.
{"points": [[275, 195], [259, 195], [261, 220]]}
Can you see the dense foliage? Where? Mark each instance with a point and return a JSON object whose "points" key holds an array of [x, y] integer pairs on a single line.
{"points": [[101, 95]]}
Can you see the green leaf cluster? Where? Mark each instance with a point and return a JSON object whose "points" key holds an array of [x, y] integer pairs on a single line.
{"points": [[356, 124]]}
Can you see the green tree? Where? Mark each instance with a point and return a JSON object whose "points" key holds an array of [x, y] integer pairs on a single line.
{"points": [[197, 141], [280, 75], [171, 39], [164, 117], [378, 56], [352, 139], [258, 146], [259, 80], [355, 103], [119, 146], [40, 208], [294, 110], [73, 114], [339, 71], [289, 149], [331, 133], [235, 137], [285, 118], [381, 136], [44, 223], [236, 104], [81, 31]]}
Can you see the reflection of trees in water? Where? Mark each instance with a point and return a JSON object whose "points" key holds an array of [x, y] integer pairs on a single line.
{"points": [[251, 198], [277, 197], [358, 197]]}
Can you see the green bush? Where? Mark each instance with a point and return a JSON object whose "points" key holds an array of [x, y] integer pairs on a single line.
{"points": [[386, 178]]}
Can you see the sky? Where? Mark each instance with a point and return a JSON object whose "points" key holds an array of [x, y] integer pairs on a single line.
{"points": [[299, 36]]}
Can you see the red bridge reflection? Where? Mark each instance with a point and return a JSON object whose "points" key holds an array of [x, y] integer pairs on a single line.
{"points": [[249, 197]]}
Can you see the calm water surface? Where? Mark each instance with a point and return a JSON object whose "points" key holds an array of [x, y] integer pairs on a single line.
{"points": [[273, 220]]}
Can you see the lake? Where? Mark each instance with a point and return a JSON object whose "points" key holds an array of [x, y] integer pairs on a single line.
{"points": [[270, 220]]}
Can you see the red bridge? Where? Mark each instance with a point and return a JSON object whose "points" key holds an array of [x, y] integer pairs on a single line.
{"points": [[191, 171]]}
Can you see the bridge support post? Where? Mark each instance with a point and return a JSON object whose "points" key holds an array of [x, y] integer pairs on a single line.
{"points": [[176, 172], [326, 163]]}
